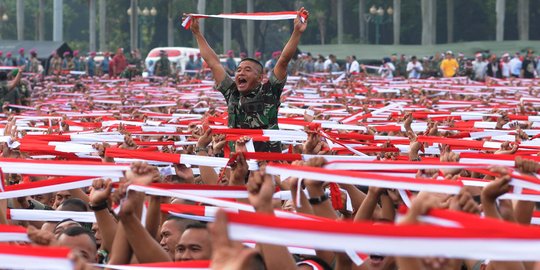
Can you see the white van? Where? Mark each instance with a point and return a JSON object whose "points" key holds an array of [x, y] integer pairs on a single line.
{"points": [[178, 55]]}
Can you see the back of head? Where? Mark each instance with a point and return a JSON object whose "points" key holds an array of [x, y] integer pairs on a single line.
{"points": [[73, 204]]}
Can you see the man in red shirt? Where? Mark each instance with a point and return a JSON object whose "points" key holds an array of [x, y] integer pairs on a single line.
{"points": [[119, 63]]}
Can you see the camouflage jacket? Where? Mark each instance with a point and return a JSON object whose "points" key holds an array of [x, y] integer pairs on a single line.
{"points": [[256, 110]]}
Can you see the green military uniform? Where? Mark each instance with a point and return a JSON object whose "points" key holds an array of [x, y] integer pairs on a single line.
{"points": [[163, 67], [256, 110]]}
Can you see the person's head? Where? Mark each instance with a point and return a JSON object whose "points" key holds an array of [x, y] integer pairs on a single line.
{"points": [[258, 55], [67, 54], [63, 225], [97, 234], [530, 53], [332, 58], [60, 197], [46, 198], [81, 241], [386, 60], [33, 53], [21, 51], [276, 54], [120, 51], [195, 244], [1, 53], [73, 204], [449, 55], [249, 75], [171, 231], [479, 56], [191, 57], [163, 54], [3, 76], [92, 54], [75, 53], [230, 53], [414, 59], [348, 59], [393, 57], [8, 54], [243, 55], [505, 57]]}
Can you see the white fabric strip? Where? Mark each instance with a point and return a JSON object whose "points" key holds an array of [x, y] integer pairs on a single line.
{"points": [[419, 186], [47, 215], [29, 262], [479, 248]]}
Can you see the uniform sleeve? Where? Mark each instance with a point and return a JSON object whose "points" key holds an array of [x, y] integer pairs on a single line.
{"points": [[277, 85], [225, 87]]}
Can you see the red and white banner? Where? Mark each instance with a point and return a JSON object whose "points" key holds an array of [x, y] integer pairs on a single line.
{"points": [[506, 243], [183, 265], [34, 257]]}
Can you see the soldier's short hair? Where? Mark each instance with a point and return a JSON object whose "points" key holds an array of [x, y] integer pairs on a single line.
{"points": [[254, 61]]}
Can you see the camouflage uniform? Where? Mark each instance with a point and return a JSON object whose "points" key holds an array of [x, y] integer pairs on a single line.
{"points": [[256, 110], [163, 67]]}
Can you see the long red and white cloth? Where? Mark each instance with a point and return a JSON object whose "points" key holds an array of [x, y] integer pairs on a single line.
{"points": [[258, 16], [505, 242]]}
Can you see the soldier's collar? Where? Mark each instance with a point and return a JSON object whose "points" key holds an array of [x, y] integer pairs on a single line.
{"points": [[253, 92]]}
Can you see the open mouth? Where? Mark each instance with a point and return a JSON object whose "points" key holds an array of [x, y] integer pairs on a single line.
{"points": [[242, 82]]}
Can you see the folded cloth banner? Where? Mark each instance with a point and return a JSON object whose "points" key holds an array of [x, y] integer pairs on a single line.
{"points": [[46, 186], [216, 191], [47, 215], [182, 265], [365, 179], [391, 165], [212, 201], [57, 167], [12, 233], [258, 16], [34, 258], [504, 242]]}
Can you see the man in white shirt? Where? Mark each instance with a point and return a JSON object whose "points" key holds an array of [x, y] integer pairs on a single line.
{"points": [[515, 66], [479, 67], [505, 65], [353, 67], [387, 69], [414, 68]]}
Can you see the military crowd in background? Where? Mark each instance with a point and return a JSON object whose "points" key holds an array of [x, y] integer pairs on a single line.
{"points": [[477, 67]]}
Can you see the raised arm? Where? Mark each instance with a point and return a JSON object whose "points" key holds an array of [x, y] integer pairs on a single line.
{"points": [[17, 79], [207, 53], [280, 70]]}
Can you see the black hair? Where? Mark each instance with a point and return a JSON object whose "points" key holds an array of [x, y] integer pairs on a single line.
{"points": [[254, 61], [74, 204], [65, 220], [196, 225], [3, 76], [76, 231]]}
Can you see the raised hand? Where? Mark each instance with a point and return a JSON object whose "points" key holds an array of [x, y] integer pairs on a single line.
{"points": [[101, 190], [142, 173], [526, 166], [227, 254], [239, 170], [499, 186], [261, 190], [298, 24], [241, 144]]}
